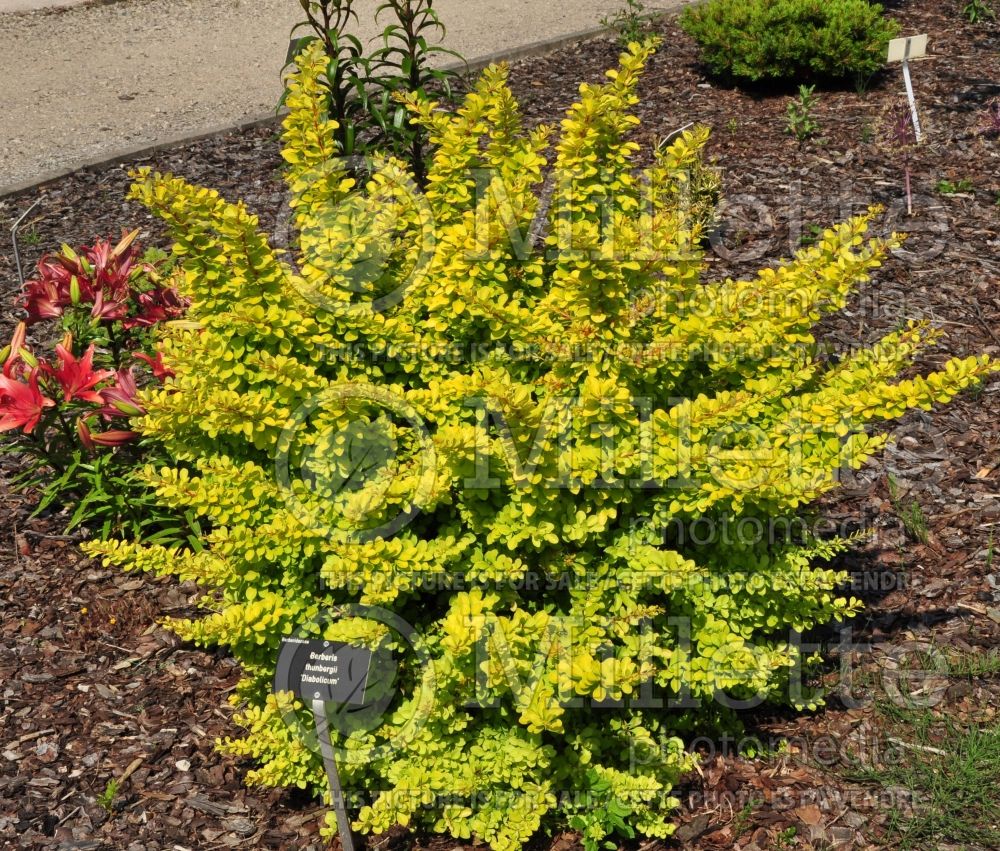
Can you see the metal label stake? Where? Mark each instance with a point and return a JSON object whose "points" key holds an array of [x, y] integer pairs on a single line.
{"points": [[903, 50], [324, 672], [13, 239], [911, 98], [336, 790]]}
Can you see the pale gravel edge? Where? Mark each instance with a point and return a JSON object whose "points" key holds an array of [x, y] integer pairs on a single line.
{"points": [[62, 9], [536, 48]]}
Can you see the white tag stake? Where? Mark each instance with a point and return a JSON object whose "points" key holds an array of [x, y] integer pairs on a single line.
{"points": [[912, 99], [903, 50]]}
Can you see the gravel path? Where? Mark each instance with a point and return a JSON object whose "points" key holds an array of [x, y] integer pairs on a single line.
{"points": [[83, 83]]}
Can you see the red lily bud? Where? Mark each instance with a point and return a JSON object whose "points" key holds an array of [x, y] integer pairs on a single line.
{"points": [[127, 409], [120, 398], [126, 241], [83, 432], [114, 437], [10, 354], [17, 341]]}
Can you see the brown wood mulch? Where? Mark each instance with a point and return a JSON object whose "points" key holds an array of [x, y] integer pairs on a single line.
{"points": [[91, 689]]}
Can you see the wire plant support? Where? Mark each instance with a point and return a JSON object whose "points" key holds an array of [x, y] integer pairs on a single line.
{"points": [[13, 240]]}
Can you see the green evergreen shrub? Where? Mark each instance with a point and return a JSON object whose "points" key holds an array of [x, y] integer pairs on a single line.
{"points": [[500, 457], [762, 40]]}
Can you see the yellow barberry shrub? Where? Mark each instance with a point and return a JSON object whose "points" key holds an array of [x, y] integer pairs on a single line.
{"points": [[484, 411]]}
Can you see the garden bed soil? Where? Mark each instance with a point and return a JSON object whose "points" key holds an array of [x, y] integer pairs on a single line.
{"points": [[94, 690]]}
